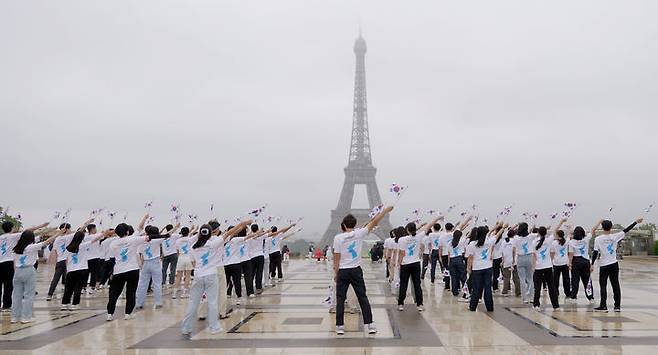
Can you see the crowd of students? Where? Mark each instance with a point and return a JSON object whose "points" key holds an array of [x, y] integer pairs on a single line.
{"points": [[473, 264], [132, 261]]}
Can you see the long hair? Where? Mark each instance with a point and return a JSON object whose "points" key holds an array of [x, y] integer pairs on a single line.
{"points": [[542, 236], [522, 231], [560, 237], [204, 234], [74, 245], [26, 238], [399, 233], [456, 236], [481, 236], [411, 228], [578, 233], [510, 234]]}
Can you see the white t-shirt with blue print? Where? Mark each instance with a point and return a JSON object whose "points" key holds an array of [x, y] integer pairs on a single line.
{"points": [[606, 245], [29, 256], [7, 244], [560, 256], [78, 261], [543, 254], [124, 250], [235, 251], [348, 245], [523, 245], [206, 257], [482, 255], [410, 245], [580, 247], [151, 250]]}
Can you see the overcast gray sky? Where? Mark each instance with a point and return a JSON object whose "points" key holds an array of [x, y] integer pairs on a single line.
{"points": [[239, 103]]}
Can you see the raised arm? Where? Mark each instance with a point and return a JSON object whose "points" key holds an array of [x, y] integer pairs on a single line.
{"points": [[559, 225], [465, 223], [231, 232], [284, 230], [424, 228], [140, 226], [85, 224], [33, 228], [632, 225], [378, 218]]}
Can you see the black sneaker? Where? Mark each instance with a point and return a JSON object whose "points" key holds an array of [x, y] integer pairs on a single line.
{"points": [[601, 309]]}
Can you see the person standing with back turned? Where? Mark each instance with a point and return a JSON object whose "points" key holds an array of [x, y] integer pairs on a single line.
{"points": [[347, 268]]}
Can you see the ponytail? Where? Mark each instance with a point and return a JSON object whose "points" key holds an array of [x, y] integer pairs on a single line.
{"points": [[542, 236], [204, 235]]}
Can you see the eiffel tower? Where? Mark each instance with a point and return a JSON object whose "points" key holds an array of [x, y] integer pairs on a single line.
{"points": [[359, 170]]}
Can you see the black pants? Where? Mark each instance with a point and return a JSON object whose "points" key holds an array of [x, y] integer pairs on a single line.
{"points": [[354, 277], [406, 272], [169, 262], [579, 272], [128, 279], [610, 271], [444, 266], [6, 283], [496, 272], [94, 266], [60, 272], [234, 274], [257, 264], [481, 286], [108, 268], [457, 274], [248, 273], [426, 263], [275, 265], [75, 281], [434, 258], [387, 267], [562, 270], [545, 276]]}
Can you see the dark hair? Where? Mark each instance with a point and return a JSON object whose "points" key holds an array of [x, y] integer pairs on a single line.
{"points": [[578, 233], [242, 232], [449, 226], [482, 232], [473, 235], [436, 227], [204, 234], [254, 227], [121, 230], [606, 225], [522, 231], [391, 233], [131, 230], [542, 236], [91, 227], [274, 229], [560, 237], [214, 225], [7, 226], [169, 227], [184, 231], [74, 245], [349, 221], [26, 238], [399, 233], [151, 230], [456, 236], [535, 230], [411, 228], [64, 226], [510, 234]]}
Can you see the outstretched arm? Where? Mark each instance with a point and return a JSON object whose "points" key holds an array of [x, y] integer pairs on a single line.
{"points": [[33, 228], [284, 230], [559, 225], [140, 226], [465, 223], [424, 228], [632, 225], [378, 218], [596, 226], [233, 231]]}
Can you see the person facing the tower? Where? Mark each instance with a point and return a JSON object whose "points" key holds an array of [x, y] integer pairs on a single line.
{"points": [[347, 268]]}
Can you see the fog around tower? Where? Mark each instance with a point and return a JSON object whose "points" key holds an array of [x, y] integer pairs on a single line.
{"points": [[112, 104]]}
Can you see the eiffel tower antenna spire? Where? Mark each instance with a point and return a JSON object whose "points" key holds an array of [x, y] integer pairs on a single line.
{"points": [[359, 170]]}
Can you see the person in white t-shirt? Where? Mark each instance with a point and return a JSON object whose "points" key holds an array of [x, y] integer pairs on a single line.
{"points": [[559, 251], [169, 254], [523, 260], [605, 248], [235, 260], [444, 254], [347, 268], [389, 247], [257, 259], [25, 253], [434, 238], [205, 253], [151, 266], [77, 267], [275, 238], [579, 264], [508, 270], [184, 265], [454, 244], [409, 261], [427, 250], [59, 252], [479, 254], [543, 265]]}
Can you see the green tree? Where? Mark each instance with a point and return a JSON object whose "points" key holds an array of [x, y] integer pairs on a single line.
{"points": [[6, 217]]}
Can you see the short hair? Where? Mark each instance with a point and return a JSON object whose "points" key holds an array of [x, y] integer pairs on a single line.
{"points": [[151, 230], [91, 227], [7, 226], [449, 226], [254, 227], [64, 226], [349, 221], [169, 227], [606, 225], [436, 227], [214, 225], [184, 231]]}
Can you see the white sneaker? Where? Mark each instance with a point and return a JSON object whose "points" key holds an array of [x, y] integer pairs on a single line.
{"points": [[400, 308], [536, 308], [90, 292], [173, 294], [420, 308], [216, 331], [372, 329], [340, 330], [109, 317], [26, 321], [64, 307], [238, 301], [252, 296], [74, 307], [128, 316], [14, 321]]}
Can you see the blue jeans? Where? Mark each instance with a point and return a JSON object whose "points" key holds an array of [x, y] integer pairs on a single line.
{"points": [[152, 270], [25, 281], [525, 270], [205, 284], [482, 280]]}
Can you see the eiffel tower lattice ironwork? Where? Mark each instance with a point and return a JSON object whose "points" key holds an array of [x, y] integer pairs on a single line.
{"points": [[359, 170]]}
